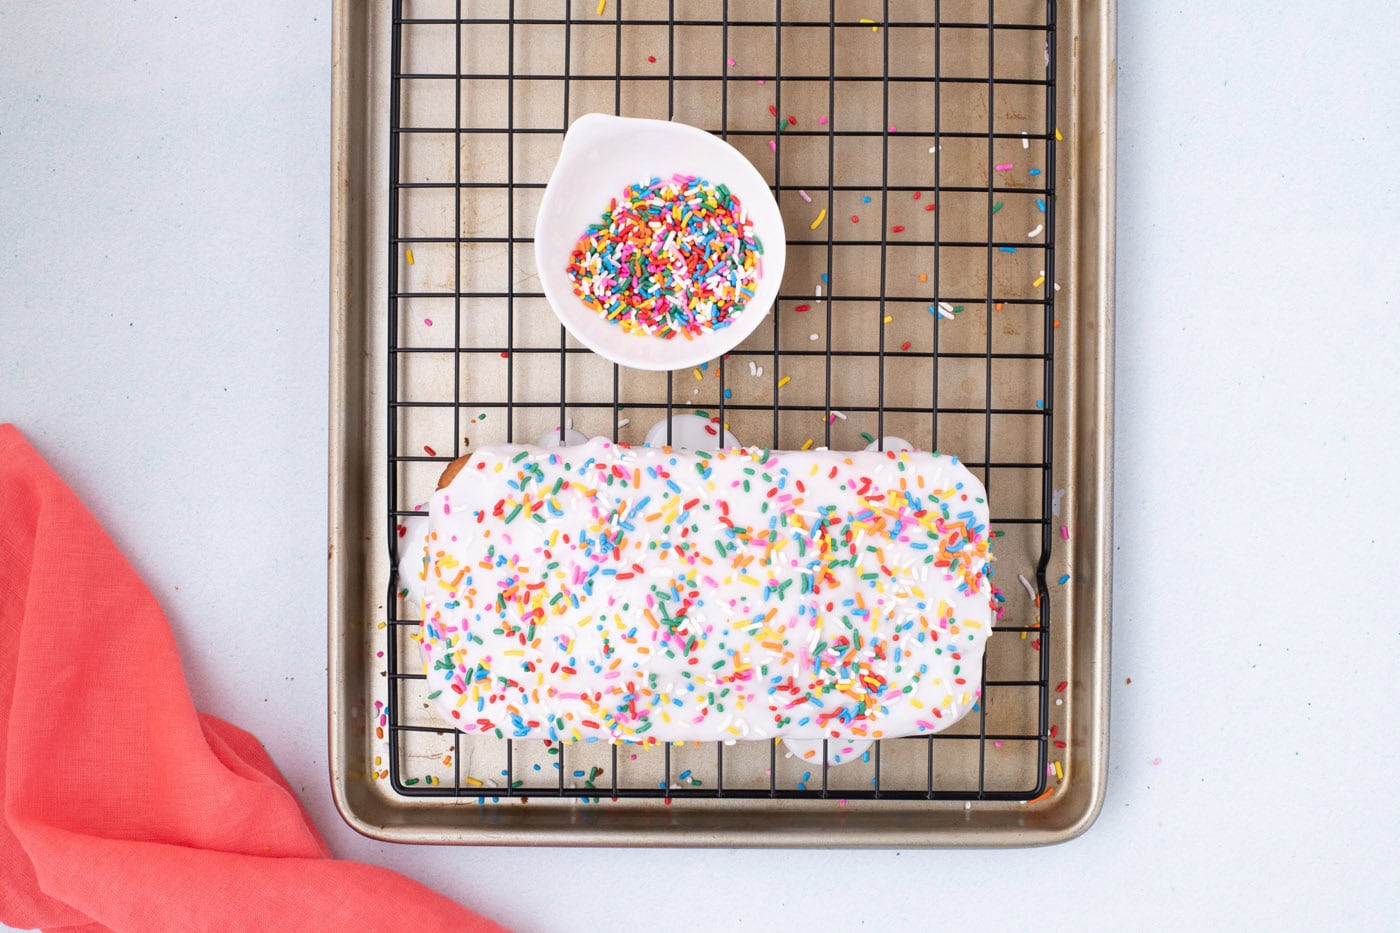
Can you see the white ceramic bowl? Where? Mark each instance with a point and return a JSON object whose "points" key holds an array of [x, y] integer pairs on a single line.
{"points": [[601, 156]]}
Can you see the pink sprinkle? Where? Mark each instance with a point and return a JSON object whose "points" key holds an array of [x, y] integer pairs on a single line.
{"points": [[805, 196], [893, 130], [428, 321], [772, 144], [731, 63], [1004, 167], [821, 120], [760, 80], [1156, 761], [1064, 532]]}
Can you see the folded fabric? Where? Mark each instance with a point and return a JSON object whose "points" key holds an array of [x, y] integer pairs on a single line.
{"points": [[126, 808]]}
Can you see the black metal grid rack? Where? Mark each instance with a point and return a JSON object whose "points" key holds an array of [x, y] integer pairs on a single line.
{"points": [[914, 309]]}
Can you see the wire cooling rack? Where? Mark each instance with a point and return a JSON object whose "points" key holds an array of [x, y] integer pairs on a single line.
{"points": [[922, 305]]}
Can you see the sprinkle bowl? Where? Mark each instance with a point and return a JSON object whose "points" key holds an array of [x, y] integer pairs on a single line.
{"points": [[601, 156]]}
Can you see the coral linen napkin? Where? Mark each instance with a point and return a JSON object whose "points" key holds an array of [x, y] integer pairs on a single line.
{"points": [[128, 809]]}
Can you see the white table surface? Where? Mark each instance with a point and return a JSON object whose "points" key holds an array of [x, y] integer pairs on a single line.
{"points": [[163, 323]]}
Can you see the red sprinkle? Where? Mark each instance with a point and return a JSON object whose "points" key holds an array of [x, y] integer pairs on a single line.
{"points": [[904, 345], [792, 121], [504, 355], [429, 451], [773, 110], [897, 229], [1062, 685], [803, 308], [651, 58], [855, 219], [917, 195]]}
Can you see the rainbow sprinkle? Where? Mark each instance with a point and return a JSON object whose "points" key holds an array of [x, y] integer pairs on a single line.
{"points": [[672, 258]]}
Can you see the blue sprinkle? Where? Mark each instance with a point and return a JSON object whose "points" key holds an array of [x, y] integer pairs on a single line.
{"points": [[1064, 579]]}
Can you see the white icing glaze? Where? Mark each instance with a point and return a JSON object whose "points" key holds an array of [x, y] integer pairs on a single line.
{"points": [[691, 432], [572, 438], [411, 555], [890, 442], [581, 594]]}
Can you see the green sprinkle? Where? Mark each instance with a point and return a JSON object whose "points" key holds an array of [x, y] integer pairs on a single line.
{"points": [[520, 456], [869, 439], [996, 207], [514, 512]]}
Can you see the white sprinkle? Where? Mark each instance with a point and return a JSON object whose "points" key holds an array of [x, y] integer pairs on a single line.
{"points": [[819, 291], [839, 414], [1036, 232], [760, 371], [1025, 143], [945, 310], [1027, 584], [624, 422], [1059, 702], [752, 369], [814, 337], [932, 150], [1057, 286]]}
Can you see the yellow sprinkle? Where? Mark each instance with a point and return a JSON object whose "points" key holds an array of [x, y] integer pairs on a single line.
{"points": [[818, 222], [409, 254], [888, 318], [807, 445], [1059, 772], [784, 381], [698, 376], [1058, 137], [601, 4], [873, 27], [1040, 280], [474, 782]]}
